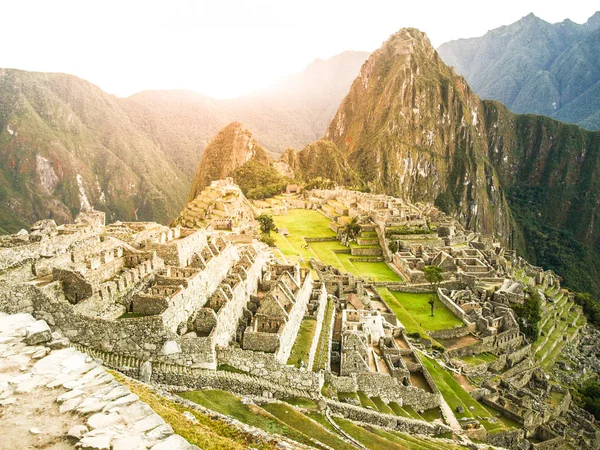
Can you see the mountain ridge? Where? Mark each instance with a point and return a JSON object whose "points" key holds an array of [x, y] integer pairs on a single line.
{"points": [[533, 66]]}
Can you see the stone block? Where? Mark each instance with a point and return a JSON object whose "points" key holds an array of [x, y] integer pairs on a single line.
{"points": [[38, 333]]}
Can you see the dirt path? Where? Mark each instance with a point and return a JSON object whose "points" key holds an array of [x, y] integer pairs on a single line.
{"points": [[37, 409]]}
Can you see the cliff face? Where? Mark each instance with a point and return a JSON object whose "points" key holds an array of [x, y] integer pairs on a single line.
{"points": [[231, 148], [412, 128]]}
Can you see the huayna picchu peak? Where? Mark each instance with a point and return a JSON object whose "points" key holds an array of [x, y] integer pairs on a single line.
{"points": [[366, 254]]}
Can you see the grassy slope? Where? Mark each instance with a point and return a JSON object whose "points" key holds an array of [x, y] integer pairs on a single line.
{"points": [[208, 434], [231, 405], [303, 342]]}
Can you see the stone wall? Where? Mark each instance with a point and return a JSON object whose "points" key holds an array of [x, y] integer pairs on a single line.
{"points": [[398, 423], [290, 331], [457, 310], [450, 333], [265, 365], [386, 387]]}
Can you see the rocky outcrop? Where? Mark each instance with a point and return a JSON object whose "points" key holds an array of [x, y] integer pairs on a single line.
{"points": [[231, 148]]}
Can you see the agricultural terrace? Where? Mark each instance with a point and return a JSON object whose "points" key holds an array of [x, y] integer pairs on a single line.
{"points": [[414, 312], [302, 223]]}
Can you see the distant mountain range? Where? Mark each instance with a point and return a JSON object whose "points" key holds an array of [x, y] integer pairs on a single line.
{"points": [[67, 145], [536, 67]]}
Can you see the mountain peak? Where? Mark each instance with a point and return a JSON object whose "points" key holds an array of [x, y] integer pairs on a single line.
{"points": [[231, 148]]}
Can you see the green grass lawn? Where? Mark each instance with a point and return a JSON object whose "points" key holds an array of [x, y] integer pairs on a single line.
{"points": [[365, 401], [304, 339], [231, 405], [406, 319], [417, 305], [301, 223], [303, 424], [321, 357], [382, 406], [456, 396], [479, 359]]}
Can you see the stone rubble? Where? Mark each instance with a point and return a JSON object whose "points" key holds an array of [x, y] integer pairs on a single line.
{"points": [[109, 415]]}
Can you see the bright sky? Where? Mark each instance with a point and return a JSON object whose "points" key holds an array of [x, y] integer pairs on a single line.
{"points": [[226, 48]]}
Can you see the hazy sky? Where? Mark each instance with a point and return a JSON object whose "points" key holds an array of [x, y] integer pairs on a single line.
{"points": [[225, 48]]}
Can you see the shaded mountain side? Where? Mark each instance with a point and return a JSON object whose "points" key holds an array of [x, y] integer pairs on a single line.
{"points": [[413, 128], [230, 149], [65, 145], [533, 66], [320, 159]]}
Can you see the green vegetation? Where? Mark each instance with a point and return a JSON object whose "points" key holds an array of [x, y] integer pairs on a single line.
{"points": [[304, 339], [209, 433], [588, 396], [231, 405], [301, 223], [591, 307], [529, 314], [131, 315], [394, 232], [305, 425], [228, 368], [479, 359], [258, 180], [418, 308], [556, 248], [456, 396], [266, 223], [321, 357], [367, 438]]}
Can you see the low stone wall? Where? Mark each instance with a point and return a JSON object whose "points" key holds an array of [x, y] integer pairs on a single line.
{"points": [[187, 378], [387, 387], [265, 365], [365, 251], [341, 384], [426, 288], [398, 423], [457, 310], [451, 333], [321, 239]]}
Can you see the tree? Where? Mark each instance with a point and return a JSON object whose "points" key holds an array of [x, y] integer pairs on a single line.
{"points": [[267, 224], [352, 228], [433, 275]]}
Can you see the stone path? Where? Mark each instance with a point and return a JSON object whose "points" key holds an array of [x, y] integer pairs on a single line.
{"points": [[55, 397]]}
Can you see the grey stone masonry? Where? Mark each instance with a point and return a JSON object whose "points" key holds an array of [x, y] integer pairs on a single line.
{"points": [[102, 412]]}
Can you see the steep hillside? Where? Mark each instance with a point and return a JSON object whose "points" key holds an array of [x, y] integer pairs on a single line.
{"points": [[230, 149], [65, 145], [411, 127], [533, 66], [320, 159]]}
